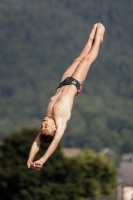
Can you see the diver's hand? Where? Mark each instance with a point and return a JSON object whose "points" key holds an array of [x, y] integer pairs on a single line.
{"points": [[29, 163], [37, 165]]}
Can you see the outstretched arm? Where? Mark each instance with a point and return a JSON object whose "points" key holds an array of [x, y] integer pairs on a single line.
{"points": [[34, 149], [59, 133]]}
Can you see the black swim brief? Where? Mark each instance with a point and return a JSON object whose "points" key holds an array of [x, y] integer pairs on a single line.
{"points": [[69, 81]]}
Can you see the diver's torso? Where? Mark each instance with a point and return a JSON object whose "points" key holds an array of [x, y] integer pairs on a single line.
{"points": [[61, 103]]}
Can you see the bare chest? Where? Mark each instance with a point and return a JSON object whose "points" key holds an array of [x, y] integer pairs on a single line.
{"points": [[61, 104]]}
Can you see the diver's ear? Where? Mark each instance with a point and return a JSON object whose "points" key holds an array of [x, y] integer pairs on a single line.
{"points": [[45, 119]]}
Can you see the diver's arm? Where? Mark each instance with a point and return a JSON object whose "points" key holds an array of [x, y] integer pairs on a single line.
{"points": [[34, 149], [59, 133]]}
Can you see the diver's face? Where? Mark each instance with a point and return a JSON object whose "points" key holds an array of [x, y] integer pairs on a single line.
{"points": [[48, 125]]}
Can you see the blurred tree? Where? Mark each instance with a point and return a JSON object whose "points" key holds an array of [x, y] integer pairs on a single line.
{"points": [[23, 183], [60, 178], [98, 174]]}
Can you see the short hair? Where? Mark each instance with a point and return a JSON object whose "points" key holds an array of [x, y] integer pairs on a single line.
{"points": [[47, 138]]}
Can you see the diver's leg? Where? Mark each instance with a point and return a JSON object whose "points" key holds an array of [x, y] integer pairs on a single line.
{"points": [[84, 52], [81, 71]]}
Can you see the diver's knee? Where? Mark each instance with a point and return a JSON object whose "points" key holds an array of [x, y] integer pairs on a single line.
{"points": [[90, 57]]}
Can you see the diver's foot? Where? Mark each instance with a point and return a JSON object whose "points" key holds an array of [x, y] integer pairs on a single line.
{"points": [[93, 32], [100, 32]]}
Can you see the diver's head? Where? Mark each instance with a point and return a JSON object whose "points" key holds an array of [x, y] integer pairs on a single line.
{"points": [[48, 130]]}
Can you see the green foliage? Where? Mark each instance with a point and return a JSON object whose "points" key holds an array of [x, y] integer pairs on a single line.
{"points": [[98, 174], [39, 40], [61, 178]]}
